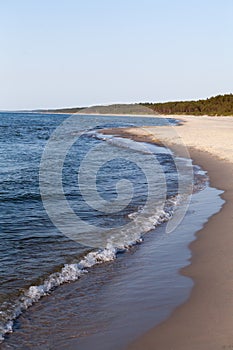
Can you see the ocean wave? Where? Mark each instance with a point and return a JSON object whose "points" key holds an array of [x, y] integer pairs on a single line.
{"points": [[69, 273], [72, 272], [121, 142]]}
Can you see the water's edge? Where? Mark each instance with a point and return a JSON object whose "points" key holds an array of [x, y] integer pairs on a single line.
{"points": [[171, 253]]}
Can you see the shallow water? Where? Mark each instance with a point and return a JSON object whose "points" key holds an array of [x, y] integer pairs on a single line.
{"points": [[118, 301], [107, 303]]}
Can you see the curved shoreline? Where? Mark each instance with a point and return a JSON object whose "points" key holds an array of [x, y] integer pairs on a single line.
{"points": [[205, 320]]}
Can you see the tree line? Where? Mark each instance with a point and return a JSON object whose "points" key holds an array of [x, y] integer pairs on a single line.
{"points": [[213, 106]]}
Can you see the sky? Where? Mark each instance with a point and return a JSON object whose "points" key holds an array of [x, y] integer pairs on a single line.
{"points": [[67, 53]]}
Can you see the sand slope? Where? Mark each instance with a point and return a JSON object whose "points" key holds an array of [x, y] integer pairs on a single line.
{"points": [[205, 321]]}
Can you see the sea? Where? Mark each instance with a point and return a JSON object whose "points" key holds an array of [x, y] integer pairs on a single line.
{"points": [[94, 230]]}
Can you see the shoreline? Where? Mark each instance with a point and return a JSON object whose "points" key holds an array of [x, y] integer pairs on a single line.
{"points": [[205, 320], [152, 308], [148, 115]]}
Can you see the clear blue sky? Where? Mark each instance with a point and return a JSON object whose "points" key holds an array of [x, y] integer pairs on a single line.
{"points": [[57, 53]]}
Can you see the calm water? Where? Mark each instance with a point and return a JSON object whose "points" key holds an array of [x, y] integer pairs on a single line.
{"points": [[38, 256]]}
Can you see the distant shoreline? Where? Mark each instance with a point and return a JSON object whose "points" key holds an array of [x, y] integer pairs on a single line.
{"points": [[167, 116], [220, 105]]}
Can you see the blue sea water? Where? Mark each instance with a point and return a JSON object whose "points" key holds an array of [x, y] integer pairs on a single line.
{"points": [[37, 255]]}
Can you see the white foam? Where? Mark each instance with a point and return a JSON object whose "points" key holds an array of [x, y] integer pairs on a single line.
{"points": [[123, 142], [69, 273], [72, 272]]}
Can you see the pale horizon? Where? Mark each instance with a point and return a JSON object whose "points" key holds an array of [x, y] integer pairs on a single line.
{"points": [[64, 55]]}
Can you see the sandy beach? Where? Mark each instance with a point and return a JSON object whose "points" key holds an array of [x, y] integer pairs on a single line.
{"points": [[205, 321]]}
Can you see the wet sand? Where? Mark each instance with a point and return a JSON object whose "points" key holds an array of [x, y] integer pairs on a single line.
{"points": [[205, 321]]}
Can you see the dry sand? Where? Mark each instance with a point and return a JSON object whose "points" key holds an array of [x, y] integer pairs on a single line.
{"points": [[205, 321], [210, 134]]}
